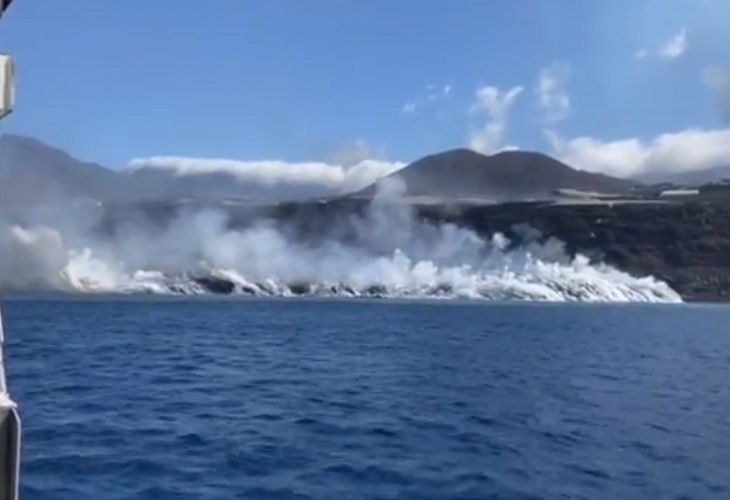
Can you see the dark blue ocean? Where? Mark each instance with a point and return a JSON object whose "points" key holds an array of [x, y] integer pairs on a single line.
{"points": [[282, 399]]}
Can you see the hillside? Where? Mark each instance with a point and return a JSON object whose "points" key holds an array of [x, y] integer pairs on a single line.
{"points": [[506, 176], [34, 172]]}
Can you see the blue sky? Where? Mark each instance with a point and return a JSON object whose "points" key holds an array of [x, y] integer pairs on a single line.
{"points": [[296, 81]]}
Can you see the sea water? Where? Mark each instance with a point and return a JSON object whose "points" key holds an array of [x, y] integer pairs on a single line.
{"points": [[151, 398]]}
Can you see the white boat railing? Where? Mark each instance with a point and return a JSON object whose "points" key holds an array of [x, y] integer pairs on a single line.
{"points": [[7, 85], [10, 427], [10, 432]]}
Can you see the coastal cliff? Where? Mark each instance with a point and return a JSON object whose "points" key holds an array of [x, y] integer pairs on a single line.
{"points": [[686, 244]]}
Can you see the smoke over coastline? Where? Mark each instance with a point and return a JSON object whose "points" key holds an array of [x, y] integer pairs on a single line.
{"points": [[391, 255]]}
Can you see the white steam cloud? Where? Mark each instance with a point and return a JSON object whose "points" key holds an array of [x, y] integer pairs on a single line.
{"points": [[431, 96], [275, 178], [685, 151], [494, 105], [551, 92], [355, 153], [676, 46], [388, 254], [673, 48], [664, 157]]}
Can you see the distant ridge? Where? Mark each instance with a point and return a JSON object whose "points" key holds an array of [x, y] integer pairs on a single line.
{"points": [[32, 171], [691, 178], [505, 176], [35, 173]]}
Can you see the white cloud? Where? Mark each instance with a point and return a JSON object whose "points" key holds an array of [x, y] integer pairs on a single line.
{"points": [[689, 150], [552, 94], [429, 97], [266, 178], [673, 48], [354, 153], [684, 151], [495, 105], [676, 46], [356, 165]]}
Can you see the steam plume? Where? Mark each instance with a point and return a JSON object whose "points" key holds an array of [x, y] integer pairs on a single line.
{"points": [[384, 252]]}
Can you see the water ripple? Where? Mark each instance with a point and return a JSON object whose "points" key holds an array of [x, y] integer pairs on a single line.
{"points": [[339, 400]]}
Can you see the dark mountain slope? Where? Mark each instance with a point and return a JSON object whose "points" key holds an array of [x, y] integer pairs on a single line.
{"points": [[34, 172], [509, 175]]}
